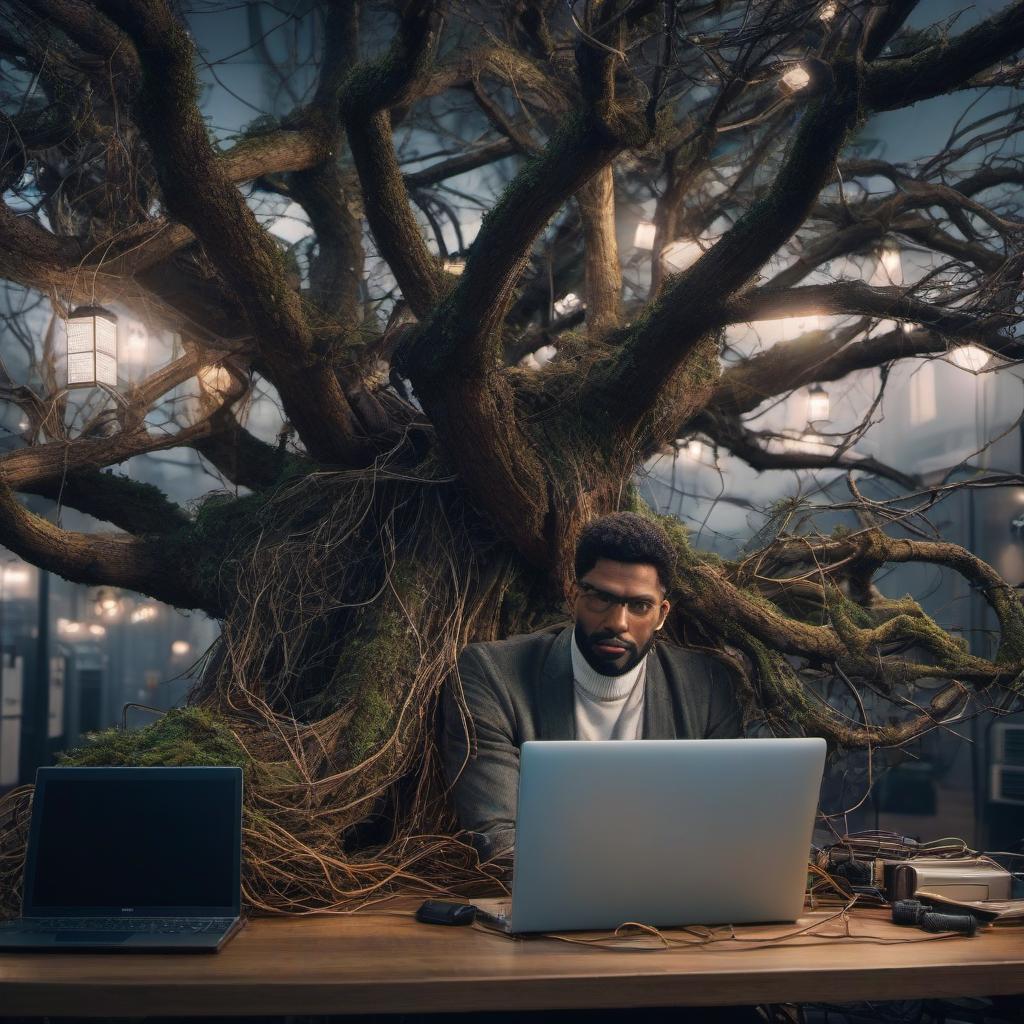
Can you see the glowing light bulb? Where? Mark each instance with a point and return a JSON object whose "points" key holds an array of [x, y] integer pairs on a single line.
{"points": [[796, 78], [455, 267], [180, 648], [828, 10], [971, 358], [214, 380], [567, 304], [107, 603], [817, 404]]}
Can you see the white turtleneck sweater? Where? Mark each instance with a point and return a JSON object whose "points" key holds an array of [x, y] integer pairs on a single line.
{"points": [[607, 707]]}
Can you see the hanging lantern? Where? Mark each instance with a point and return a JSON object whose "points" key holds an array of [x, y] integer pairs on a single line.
{"points": [[817, 405], [805, 78], [92, 348], [795, 79], [644, 237]]}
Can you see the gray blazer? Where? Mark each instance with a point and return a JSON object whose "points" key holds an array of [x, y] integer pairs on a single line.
{"points": [[522, 689]]}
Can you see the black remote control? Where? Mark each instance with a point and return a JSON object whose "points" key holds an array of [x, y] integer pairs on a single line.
{"points": [[439, 912]]}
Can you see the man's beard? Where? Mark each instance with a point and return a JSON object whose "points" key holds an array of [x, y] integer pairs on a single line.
{"points": [[602, 663]]}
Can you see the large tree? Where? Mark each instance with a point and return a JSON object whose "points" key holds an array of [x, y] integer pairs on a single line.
{"points": [[428, 488]]}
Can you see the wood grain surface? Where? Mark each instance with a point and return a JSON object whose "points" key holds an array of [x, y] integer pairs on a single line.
{"points": [[388, 963]]}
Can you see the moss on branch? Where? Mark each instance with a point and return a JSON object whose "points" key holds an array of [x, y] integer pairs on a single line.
{"points": [[139, 508]]}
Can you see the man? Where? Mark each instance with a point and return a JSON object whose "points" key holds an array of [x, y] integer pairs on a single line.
{"points": [[603, 678]]}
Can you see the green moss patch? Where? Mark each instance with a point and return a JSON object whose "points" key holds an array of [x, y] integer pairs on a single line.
{"points": [[184, 736]]}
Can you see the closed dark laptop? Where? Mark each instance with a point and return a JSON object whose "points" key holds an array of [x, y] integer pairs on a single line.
{"points": [[131, 859]]}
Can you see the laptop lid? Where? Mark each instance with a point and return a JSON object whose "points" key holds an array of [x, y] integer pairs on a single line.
{"points": [[663, 832], [135, 842]]}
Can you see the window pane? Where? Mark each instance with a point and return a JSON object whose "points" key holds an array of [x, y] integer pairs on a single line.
{"points": [[106, 336], [106, 369], [80, 335], [80, 368]]}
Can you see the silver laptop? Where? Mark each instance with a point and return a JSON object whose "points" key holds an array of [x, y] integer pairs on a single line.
{"points": [[661, 832]]}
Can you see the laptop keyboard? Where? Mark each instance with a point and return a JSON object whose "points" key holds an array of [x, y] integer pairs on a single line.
{"points": [[153, 925]]}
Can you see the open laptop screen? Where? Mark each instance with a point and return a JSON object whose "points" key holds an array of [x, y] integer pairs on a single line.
{"points": [[135, 841]]}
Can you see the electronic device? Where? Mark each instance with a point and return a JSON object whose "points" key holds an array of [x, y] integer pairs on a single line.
{"points": [[442, 912], [660, 832], [131, 858], [975, 878]]}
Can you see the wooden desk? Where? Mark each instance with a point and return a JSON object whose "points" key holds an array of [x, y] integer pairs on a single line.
{"points": [[390, 964]]}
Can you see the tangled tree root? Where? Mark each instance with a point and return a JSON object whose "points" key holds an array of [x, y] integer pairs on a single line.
{"points": [[289, 860], [354, 593]]}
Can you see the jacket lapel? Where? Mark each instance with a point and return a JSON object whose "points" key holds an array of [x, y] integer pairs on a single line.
{"points": [[659, 720], [557, 716]]}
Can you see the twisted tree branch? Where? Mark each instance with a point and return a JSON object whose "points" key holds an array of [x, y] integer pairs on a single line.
{"points": [[112, 559], [200, 194], [368, 93], [946, 65], [670, 330]]}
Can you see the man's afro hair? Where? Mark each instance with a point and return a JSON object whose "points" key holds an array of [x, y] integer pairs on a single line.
{"points": [[626, 537]]}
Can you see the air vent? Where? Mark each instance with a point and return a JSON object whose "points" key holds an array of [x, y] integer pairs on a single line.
{"points": [[1009, 744], [1007, 784]]}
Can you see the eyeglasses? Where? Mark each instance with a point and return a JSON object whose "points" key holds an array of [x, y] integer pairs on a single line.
{"points": [[600, 601]]}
